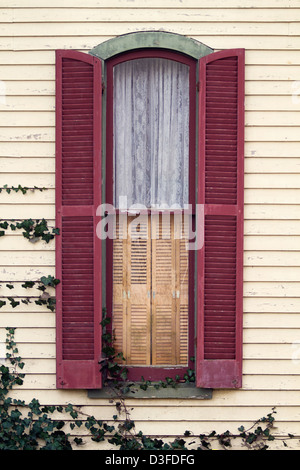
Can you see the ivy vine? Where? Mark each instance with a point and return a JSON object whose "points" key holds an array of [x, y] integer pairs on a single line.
{"points": [[22, 189], [32, 426], [32, 230], [115, 373], [45, 298]]}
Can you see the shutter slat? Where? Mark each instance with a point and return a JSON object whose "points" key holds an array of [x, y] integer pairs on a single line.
{"points": [[78, 249], [220, 261]]}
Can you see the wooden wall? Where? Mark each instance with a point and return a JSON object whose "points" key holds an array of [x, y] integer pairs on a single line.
{"points": [[30, 32]]}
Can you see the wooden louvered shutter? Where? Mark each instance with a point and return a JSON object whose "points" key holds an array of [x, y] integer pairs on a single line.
{"points": [[78, 194], [150, 293], [220, 189], [169, 292], [131, 292]]}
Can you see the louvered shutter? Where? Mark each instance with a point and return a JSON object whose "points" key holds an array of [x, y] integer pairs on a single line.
{"points": [[220, 189], [138, 335], [169, 292], [131, 292], [150, 293], [78, 194]]}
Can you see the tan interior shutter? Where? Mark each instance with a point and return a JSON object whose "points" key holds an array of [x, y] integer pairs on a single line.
{"points": [[138, 293], [150, 294], [169, 292], [131, 293], [164, 282]]}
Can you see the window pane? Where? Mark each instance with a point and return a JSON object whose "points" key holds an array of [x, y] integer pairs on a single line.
{"points": [[151, 133]]}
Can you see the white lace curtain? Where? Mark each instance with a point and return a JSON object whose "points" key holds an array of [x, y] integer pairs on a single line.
{"points": [[151, 132]]}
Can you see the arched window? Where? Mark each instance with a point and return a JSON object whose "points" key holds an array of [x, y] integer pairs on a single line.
{"points": [[150, 163]]}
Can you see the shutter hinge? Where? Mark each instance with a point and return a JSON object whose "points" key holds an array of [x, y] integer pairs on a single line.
{"points": [[198, 86], [103, 88]]}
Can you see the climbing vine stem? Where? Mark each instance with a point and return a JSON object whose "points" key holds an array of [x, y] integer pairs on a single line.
{"points": [[32, 426], [22, 189], [45, 298], [32, 230]]}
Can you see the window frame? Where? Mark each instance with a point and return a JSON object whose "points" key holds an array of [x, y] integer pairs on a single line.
{"points": [[153, 373]]}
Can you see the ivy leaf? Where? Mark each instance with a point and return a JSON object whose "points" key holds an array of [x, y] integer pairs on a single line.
{"points": [[78, 440], [28, 284], [60, 424], [105, 321], [13, 302], [42, 288], [47, 237], [49, 281], [51, 304]]}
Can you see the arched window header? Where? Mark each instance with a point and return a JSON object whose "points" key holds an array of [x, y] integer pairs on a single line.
{"points": [[150, 39]]}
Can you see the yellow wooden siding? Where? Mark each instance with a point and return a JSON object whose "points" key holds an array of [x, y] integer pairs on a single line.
{"points": [[269, 31]]}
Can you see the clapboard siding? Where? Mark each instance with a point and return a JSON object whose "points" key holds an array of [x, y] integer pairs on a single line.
{"points": [[269, 31], [254, 57], [260, 42], [270, 4], [254, 118]]}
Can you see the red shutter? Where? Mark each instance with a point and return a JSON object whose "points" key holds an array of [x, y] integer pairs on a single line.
{"points": [[220, 190], [78, 194]]}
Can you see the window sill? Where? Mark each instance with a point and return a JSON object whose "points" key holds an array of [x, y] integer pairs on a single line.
{"points": [[188, 391]]}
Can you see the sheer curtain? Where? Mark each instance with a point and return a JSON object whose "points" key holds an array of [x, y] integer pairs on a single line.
{"points": [[151, 133]]}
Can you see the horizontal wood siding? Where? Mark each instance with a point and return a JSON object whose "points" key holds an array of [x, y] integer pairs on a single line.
{"points": [[269, 32]]}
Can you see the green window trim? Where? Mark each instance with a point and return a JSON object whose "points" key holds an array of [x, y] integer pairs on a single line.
{"points": [[151, 39]]}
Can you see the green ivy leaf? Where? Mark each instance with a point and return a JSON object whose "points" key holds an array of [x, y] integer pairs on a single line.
{"points": [[28, 284], [14, 303]]}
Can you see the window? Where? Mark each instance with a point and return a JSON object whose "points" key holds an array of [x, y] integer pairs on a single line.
{"points": [[206, 165], [150, 155]]}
